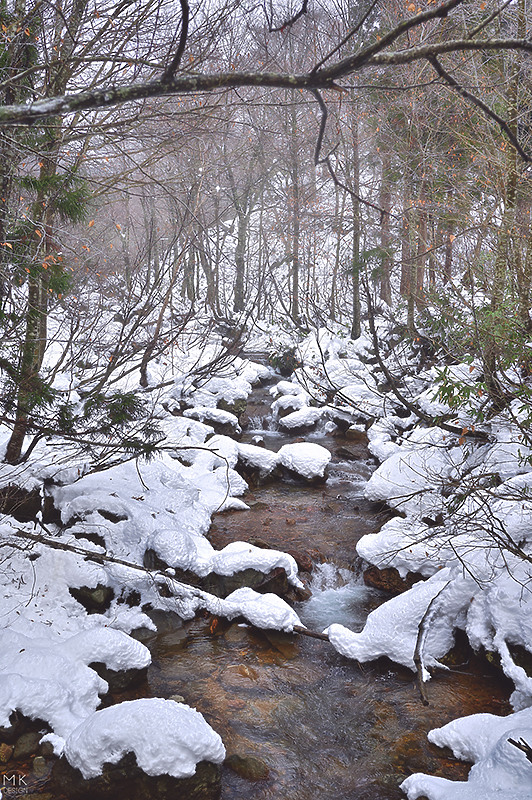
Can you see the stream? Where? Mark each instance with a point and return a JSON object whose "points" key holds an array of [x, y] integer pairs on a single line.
{"points": [[309, 723]]}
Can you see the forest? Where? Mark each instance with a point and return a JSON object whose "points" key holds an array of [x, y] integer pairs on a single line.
{"points": [[266, 399]]}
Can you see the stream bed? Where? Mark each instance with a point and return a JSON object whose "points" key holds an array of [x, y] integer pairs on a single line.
{"points": [[308, 723]]}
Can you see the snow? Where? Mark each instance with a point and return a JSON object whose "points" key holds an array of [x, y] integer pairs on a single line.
{"points": [[261, 458], [306, 458], [164, 505], [167, 738], [392, 628], [215, 415], [500, 769], [446, 534], [304, 418], [262, 610], [412, 478]]}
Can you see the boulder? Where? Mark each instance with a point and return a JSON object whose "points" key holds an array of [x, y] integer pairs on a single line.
{"points": [[26, 745], [389, 580], [222, 585], [20, 503], [126, 780], [121, 680]]}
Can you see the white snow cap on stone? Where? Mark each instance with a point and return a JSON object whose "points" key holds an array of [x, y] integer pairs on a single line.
{"points": [[263, 610], [166, 738], [307, 459]]}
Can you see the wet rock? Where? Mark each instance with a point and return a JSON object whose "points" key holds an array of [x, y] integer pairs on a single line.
{"points": [[356, 435], [50, 514], [238, 408], [9, 733], [297, 430], [91, 536], [389, 580], [6, 751], [131, 597], [26, 745], [248, 767], [46, 749], [121, 680], [20, 503], [303, 560], [522, 657], [126, 780], [255, 476], [152, 561], [39, 766], [96, 600], [235, 633], [284, 643], [342, 420], [225, 426], [111, 516], [346, 454], [295, 477]]}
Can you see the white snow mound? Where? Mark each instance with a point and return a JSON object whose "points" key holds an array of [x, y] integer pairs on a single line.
{"points": [[166, 738]]}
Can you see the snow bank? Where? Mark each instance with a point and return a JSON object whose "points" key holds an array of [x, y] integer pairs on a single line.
{"points": [[500, 770], [167, 738], [413, 477], [49, 678], [392, 628]]}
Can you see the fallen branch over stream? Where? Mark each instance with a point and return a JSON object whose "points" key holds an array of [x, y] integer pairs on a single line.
{"points": [[179, 590], [311, 634], [217, 606]]}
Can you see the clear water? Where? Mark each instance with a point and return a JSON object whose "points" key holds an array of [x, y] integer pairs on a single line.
{"points": [[338, 595]]}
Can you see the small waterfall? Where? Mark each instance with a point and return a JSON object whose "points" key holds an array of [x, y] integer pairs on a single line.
{"points": [[338, 595]]}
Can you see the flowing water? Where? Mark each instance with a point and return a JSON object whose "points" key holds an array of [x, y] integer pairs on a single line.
{"points": [[322, 727]]}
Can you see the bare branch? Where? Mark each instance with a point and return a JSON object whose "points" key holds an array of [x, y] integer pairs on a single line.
{"points": [[484, 24], [173, 66], [289, 22], [349, 36], [503, 125], [398, 57], [354, 62]]}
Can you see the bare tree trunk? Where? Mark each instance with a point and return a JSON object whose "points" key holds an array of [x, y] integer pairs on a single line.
{"points": [[355, 246], [240, 261], [448, 263], [385, 202], [294, 179]]}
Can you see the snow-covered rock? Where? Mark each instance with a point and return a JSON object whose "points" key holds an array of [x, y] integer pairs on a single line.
{"points": [[166, 738], [500, 772], [305, 458]]}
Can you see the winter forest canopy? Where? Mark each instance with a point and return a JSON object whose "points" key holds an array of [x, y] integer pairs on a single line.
{"points": [[342, 187]]}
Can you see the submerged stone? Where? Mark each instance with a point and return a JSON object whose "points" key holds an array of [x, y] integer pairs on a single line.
{"points": [[248, 767]]}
